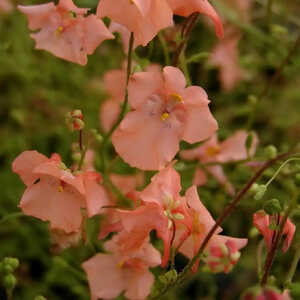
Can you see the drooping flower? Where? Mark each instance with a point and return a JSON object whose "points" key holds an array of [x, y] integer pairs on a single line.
{"points": [[225, 56], [122, 274], [266, 293], [55, 194], [145, 18], [262, 222], [186, 7], [212, 151], [65, 31], [221, 253], [164, 112]]}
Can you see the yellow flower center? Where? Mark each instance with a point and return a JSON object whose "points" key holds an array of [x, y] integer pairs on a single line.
{"points": [[60, 188], [164, 116], [177, 97], [59, 30], [212, 150]]}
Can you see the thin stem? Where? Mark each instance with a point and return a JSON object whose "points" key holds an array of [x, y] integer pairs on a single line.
{"points": [[259, 252], [292, 269], [124, 106], [280, 168], [275, 244], [165, 48], [187, 32], [106, 138], [80, 140], [11, 216]]}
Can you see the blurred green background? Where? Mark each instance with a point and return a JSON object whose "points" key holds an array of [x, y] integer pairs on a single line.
{"points": [[38, 89]]}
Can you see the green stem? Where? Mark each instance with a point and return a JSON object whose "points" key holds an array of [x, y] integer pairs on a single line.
{"points": [[11, 216], [165, 48], [184, 68], [280, 168], [106, 138], [259, 252], [292, 269]]}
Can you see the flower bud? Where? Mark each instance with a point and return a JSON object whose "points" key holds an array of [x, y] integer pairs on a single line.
{"points": [[261, 190], [297, 180], [9, 281], [40, 297], [74, 120], [168, 277], [270, 151], [252, 100], [272, 207]]}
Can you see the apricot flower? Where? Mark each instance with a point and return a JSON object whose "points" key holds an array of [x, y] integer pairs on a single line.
{"points": [[262, 222], [55, 194], [230, 150], [186, 7], [164, 112], [130, 274], [145, 18], [65, 31]]}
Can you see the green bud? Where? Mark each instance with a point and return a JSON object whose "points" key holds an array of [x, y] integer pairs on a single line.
{"points": [[9, 281], [13, 262], [137, 68], [278, 29], [76, 157], [168, 277], [272, 207], [253, 232], [270, 151], [249, 140], [6, 268], [261, 190], [252, 99], [297, 179], [40, 297], [254, 188]]}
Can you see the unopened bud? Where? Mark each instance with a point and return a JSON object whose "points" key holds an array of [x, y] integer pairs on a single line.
{"points": [[11, 261], [74, 120], [168, 277], [78, 124], [260, 192], [9, 281], [270, 151], [297, 179], [253, 232], [252, 99], [272, 207], [249, 140], [40, 297]]}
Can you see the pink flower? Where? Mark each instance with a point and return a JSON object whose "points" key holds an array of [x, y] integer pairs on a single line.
{"points": [[187, 7], [129, 274], [223, 252], [225, 55], [64, 31], [5, 6], [268, 293], [55, 194], [164, 112], [145, 18], [211, 151], [262, 222]]}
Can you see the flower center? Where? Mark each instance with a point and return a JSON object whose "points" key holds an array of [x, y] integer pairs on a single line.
{"points": [[212, 150]]}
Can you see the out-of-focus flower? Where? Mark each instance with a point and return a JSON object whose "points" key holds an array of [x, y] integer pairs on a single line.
{"points": [[5, 6], [263, 221], [145, 18], [266, 293], [186, 7], [230, 150], [65, 31], [128, 274], [164, 112]]}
